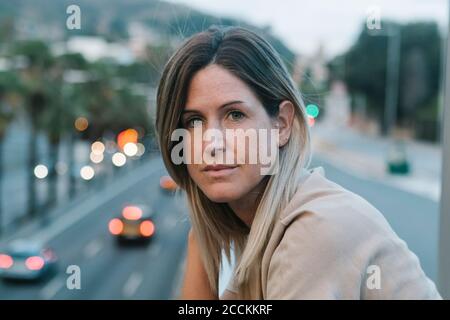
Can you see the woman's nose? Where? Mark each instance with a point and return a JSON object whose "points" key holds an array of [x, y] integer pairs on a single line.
{"points": [[214, 137], [217, 147]]}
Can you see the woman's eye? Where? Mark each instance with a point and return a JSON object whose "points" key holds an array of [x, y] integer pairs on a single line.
{"points": [[236, 115], [193, 122]]}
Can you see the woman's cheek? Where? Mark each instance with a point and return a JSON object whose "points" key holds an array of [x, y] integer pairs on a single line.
{"points": [[247, 176], [194, 173]]}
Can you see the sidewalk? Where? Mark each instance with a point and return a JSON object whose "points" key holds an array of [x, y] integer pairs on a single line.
{"points": [[366, 157]]}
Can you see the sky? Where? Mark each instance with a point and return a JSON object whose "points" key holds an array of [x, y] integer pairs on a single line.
{"points": [[305, 24]]}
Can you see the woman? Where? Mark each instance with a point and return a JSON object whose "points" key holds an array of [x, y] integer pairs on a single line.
{"points": [[295, 234]]}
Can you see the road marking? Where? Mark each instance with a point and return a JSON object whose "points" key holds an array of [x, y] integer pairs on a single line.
{"points": [[92, 248], [85, 208], [52, 288], [132, 284]]}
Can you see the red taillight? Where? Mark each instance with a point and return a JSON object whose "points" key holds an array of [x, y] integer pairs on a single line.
{"points": [[132, 213], [34, 263], [147, 228], [115, 226], [6, 261]]}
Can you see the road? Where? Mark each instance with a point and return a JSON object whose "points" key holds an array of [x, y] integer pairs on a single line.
{"points": [[367, 155], [109, 271]]}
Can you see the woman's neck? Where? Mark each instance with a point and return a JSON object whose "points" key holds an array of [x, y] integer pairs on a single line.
{"points": [[245, 207]]}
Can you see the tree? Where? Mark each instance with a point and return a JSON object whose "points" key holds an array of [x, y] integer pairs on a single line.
{"points": [[34, 88], [112, 103], [74, 103], [364, 69], [8, 83]]}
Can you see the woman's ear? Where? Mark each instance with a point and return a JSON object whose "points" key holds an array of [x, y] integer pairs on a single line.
{"points": [[284, 121]]}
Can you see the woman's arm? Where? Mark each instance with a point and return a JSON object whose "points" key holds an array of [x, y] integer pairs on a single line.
{"points": [[195, 282]]}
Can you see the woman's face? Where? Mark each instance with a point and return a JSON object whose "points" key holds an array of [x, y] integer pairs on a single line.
{"points": [[219, 100]]}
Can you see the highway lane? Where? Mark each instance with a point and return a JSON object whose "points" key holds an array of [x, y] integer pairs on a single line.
{"points": [[109, 271]]}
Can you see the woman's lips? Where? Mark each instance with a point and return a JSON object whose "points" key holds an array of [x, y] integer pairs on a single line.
{"points": [[219, 170], [217, 167]]}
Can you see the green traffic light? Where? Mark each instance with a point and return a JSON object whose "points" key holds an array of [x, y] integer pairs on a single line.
{"points": [[312, 110]]}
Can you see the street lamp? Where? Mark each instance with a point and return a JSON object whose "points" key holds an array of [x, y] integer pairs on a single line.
{"points": [[393, 34], [392, 75], [397, 161]]}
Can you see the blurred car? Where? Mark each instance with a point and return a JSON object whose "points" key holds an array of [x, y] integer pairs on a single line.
{"points": [[168, 184], [27, 260], [134, 224]]}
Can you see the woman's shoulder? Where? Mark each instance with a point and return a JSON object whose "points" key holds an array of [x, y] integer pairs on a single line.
{"points": [[330, 236], [329, 226], [327, 206]]}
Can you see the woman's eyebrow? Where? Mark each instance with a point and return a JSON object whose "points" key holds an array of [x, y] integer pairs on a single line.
{"points": [[222, 106]]}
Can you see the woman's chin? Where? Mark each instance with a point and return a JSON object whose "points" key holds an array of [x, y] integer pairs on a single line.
{"points": [[222, 193]]}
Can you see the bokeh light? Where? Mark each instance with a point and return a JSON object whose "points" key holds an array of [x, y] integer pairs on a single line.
{"points": [[115, 226], [127, 136], [141, 149], [87, 173], [119, 159], [81, 123], [132, 213], [6, 261], [40, 171], [34, 263], [96, 158], [147, 228], [130, 149], [312, 110], [98, 147]]}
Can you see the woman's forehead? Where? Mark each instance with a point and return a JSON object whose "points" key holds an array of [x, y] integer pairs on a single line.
{"points": [[215, 86]]}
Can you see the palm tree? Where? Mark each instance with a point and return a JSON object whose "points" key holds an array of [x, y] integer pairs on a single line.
{"points": [[73, 103], [114, 105], [7, 83], [35, 90]]}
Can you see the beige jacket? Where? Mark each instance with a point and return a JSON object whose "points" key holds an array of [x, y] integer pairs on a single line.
{"points": [[330, 243]]}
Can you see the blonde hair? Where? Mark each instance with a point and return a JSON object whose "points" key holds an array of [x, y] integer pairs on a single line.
{"points": [[216, 227]]}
